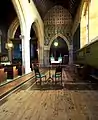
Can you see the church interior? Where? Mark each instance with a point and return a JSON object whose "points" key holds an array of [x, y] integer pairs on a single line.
{"points": [[49, 45]]}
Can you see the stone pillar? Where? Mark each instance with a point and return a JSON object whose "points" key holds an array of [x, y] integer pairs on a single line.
{"points": [[9, 46], [46, 58], [40, 56], [10, 55], [71, 54], [26, 53]]}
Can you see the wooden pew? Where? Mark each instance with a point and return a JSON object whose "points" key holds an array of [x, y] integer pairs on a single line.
{"points": [[3, 75], [12, 71]]}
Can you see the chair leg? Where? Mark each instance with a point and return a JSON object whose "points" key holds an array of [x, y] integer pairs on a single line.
{"points": [[36, 80], [40, 81]]}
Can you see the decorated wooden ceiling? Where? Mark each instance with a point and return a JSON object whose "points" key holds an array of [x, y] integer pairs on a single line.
{"points": [[44, 6]]}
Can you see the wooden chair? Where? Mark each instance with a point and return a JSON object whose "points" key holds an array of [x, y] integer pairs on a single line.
{"points": [[58, 74], [38, 75]]}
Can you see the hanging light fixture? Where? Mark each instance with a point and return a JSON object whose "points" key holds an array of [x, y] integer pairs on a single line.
{"points": [[9, 45], [56, 41]]}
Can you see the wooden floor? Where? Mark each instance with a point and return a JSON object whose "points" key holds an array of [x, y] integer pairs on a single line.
{"points": [[69, 102]]}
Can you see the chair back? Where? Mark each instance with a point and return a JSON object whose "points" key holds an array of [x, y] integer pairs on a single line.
{"points": [[58, 69], [36, 70]]}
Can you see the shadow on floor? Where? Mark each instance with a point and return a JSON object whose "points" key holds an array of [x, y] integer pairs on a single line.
{"points": [[81, 85], [47, 86]]}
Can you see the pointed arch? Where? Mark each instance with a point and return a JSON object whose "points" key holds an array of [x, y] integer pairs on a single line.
{"points": [[13, 27], [62, 36], [20, 14]]}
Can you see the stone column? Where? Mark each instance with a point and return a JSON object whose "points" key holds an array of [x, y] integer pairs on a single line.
{"points": [[71, 54], [46, 58], [41, 56], [10, 55], [26, 52], [9, 46]]}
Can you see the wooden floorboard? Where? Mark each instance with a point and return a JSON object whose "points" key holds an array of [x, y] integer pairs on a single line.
{"points": [[51, 104]]}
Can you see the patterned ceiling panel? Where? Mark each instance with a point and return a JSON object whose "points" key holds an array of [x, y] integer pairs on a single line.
{"points": [[57, 21], [44, 6]]}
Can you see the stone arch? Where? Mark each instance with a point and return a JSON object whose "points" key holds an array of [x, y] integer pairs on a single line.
{"points": [[40, 40], [12, 29], [34, 28], [62, 36], [47, 49], [20, 13], [26, 18]]}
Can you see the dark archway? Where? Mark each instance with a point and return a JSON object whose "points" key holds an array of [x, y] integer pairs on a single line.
{"points": [[33, 45], [61, 50], [17, 49]]}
